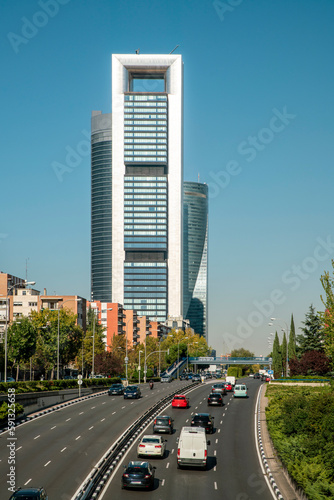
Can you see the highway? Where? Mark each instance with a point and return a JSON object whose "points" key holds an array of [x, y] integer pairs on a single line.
{"points": [[58, 451]]}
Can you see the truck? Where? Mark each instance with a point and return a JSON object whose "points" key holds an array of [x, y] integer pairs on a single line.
{"points": [[231, 380]]}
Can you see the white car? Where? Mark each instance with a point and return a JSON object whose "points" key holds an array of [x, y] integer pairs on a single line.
{"points": [[151, 446]]}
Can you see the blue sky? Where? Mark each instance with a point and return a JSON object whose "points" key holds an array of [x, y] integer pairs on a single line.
{"points": [[258, 128]]}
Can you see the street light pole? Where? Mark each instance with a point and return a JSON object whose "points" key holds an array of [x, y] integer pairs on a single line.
{"points": [[8, 290], [139, 368]]}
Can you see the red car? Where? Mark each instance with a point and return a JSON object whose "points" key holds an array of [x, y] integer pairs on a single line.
{"points": [[180, 401], [228, 387]]}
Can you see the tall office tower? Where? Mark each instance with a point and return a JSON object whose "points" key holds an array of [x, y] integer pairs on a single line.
{"points": [[101, 196], [195, 253], [147, 176]]}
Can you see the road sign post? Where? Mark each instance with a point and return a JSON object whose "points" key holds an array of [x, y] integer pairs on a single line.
{"points": [[80, 384]]}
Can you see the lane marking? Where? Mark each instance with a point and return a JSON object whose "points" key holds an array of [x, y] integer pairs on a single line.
{"points": [[92, 408], [25, 484], [216, 441], [104, 403], [123, 407], [53, 427], [216, 487], [68, 419], [162, 482], [215, 452], [172, 450], [47, 463], [221, 420], [81, 413], [77, 438], [218, 431], [215, 468], [187, 420], [113, 413], [102, 420], [17, 449], [61, 451], [91, 428], [167, 465], [37, 436]]}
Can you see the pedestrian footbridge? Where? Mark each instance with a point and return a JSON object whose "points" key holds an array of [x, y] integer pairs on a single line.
{"points": [[225, 360]]}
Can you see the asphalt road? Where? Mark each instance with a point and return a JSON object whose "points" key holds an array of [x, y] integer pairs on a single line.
{"points": [[233, 471], [59, 450]]}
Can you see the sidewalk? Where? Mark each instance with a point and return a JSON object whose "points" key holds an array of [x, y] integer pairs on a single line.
{"points": [[281, 477]]}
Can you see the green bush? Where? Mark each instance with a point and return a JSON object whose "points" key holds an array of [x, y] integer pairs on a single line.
{"points": [[4, 411], [301, 424]]}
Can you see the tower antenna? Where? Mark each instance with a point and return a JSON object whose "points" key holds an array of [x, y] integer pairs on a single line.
{"points": [[174, 49]]}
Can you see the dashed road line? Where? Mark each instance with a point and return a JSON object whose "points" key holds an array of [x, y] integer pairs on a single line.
{"points": [[47, 463], [215, 484], [102, 419], [77, 438], [17, 449], [25, 484], [61, 451], [53, 427], [37, 436], [91, 428], [68, 419]]}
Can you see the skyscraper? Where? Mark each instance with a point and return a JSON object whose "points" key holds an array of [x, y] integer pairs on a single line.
{"points": [[101, 179], [147, 176], [195, 255]]}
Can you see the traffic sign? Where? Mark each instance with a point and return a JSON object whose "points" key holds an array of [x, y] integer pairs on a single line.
{"points": [[79, 382], [79, 377], [270, 372]]}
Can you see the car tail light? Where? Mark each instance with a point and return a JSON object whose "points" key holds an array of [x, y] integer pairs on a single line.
{"points": [[141, 446], [158, 446], [178, 453], [169, 422], [147, 476], [155, 421], [125, 475], [205, 454]]}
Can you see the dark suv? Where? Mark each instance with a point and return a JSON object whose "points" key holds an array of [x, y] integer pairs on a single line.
{"points": [[116, 389], [29, 494], [163, 423], [132, 392], [203, 420]]}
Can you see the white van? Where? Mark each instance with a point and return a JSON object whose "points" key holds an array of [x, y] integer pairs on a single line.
{"points": [[192, 448], [231, 380]]}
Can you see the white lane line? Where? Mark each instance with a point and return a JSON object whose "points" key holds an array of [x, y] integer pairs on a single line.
{"points": [[163, 482], [221, 420], [200, 402], [37, 436], [61, 451], [132, 402], [218, 431], [102, 419], [68, 419], [167, 465], [25, 484], [92, 408], [216, 441], [53, 427], [187, 420], [215, 468], [215, 452], [123, 407], [17, 449], [196, 407], [172, 450], [81, 413], [192, 413], [113, 413], [91, 428], [104, 403], [216, 487], [47, 463], [77, 438]]}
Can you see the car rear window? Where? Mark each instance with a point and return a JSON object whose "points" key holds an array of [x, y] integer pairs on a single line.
{"points": [[134, 470], [199, 418], [151, 440], [179, 397], [162, 421]]}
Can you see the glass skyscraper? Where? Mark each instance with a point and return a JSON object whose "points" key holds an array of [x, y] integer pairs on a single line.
{"points": [[147, 170], [101, 207], [195, 255]]}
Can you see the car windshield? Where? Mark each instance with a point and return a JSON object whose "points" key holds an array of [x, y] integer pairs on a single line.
{"points": [[151, 440], [179, 397], [131, 389], [137, 470], [201, 418]]}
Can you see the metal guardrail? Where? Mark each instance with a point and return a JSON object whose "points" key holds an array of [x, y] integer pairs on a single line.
{"points": [[92, 487]]}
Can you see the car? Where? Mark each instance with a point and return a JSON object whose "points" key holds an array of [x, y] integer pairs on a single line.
{"points": [[257, 375], [219, 387], [151, 446], [9, 379], [29, 494], [204, 420], [163, 423], [240, 391], [138, 475], [116, 390], [183, 376], [228, 387], [196, 378], [166, 378], [180, 401], [132, 392], [251, 375], [215, 398]]}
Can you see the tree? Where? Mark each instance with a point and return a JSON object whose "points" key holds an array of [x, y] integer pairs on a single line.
{"points": [[94, 331], [108, 363], [311, 363], [292, 340], [284, 352], [242, 353], [327, 316], [21, 342], [277, 358], [313, 337]]}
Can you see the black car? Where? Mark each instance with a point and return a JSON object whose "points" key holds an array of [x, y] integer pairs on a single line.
{"points": [[204, 420], [116, 389], [138, 475], [215, 398], [132, 392], [257, 375], [163, 423], [29, 494]]}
